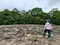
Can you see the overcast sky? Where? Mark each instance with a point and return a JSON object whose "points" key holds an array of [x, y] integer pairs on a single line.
{"points": [[46, 5]]}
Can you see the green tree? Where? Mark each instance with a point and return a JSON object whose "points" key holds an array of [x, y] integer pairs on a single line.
{"points": [[15, 11], [55, 16], [6, 12], [36, 11]]}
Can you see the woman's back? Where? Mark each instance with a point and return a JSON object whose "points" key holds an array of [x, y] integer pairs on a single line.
{"points": [[48, 25]]}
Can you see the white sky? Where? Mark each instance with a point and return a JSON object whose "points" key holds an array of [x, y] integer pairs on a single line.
{"points": [[46, 5]]}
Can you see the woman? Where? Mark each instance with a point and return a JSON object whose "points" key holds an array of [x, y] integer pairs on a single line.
{"points": [[48, 28]]}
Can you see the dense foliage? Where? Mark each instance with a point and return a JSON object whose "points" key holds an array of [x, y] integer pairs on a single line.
{"points": [[33, 16]]}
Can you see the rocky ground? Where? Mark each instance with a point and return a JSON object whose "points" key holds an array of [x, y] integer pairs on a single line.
{"points": [[27, 35]]}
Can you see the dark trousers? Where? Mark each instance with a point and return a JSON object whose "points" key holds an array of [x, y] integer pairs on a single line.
{"points": [[49, 32]]}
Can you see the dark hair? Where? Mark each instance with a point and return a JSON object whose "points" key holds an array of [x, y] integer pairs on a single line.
{"points": [[49, 21]]}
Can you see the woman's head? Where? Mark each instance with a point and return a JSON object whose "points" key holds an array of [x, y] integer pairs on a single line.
{"points": [[48, 21]]}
